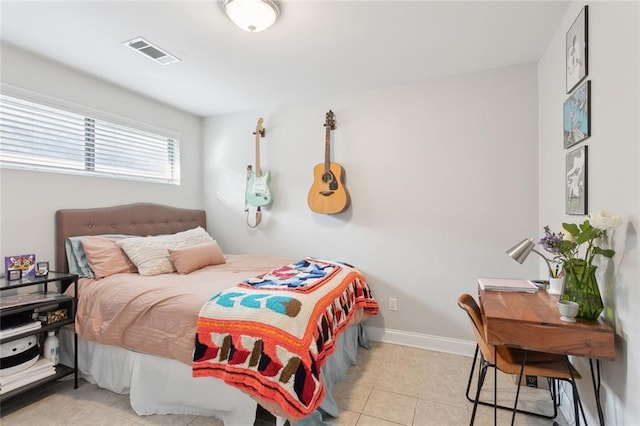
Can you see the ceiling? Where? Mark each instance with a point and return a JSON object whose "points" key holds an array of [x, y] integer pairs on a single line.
{"points": [[315, 49]]}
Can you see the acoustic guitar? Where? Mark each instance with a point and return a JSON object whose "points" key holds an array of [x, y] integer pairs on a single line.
{"points": [[258, 192], [328, 194]]}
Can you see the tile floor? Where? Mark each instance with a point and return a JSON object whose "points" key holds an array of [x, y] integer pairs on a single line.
{"points": [[391, 385]]}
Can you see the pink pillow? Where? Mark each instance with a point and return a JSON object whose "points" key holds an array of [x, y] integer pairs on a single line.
{"points": [[105, 257], [192, 258]]}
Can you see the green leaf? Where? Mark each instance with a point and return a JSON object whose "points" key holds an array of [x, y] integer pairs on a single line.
{"points": [[571, 228], [586, 226], [587, 234], [604, 252]]}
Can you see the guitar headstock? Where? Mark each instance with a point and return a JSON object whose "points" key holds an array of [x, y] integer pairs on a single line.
{"points": [[259, 128], [330, 122]]}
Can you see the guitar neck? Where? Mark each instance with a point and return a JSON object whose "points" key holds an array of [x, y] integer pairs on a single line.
{"points": [[258, 169], [327, 148]]}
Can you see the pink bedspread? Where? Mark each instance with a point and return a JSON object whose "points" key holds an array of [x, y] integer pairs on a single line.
{"points": [[157, 315]]}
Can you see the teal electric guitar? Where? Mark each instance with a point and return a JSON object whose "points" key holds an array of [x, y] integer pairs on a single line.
{"points": [[258, 191]]}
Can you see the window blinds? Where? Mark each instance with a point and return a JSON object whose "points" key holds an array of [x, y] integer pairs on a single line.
{"points": [[39, 137]]}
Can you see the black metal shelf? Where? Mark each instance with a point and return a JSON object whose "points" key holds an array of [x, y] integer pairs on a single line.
{"points": [[61, 371], [63, 302]]}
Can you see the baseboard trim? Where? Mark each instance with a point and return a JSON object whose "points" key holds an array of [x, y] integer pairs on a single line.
{"points": [[422, 341]]}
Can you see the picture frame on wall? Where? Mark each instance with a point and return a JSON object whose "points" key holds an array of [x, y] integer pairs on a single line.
{"points": [[576, 50], [576, 117], [576, 181]]}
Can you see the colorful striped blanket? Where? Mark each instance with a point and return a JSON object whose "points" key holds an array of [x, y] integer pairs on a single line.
{"points": [[269, 335]]}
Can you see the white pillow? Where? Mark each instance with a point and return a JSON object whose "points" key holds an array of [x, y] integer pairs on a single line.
{"points": [[151, 254]]}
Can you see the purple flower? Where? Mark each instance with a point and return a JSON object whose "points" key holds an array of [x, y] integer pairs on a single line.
{"points": [[551, 241]]}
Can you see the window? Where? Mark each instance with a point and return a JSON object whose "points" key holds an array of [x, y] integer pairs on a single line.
{"points": [[35, 136]]}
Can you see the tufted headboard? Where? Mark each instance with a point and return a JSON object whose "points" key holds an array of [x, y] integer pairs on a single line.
{"points": [[132, 219]]}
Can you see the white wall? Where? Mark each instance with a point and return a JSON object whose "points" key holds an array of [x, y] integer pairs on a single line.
{"points": [[613, 184], [442, 176], [29, 199]]}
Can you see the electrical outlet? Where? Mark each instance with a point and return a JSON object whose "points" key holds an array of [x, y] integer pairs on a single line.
{"points": [[393, 304]]}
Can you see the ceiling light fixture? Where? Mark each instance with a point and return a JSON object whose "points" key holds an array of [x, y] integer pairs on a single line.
{"points": [[251, 15]]}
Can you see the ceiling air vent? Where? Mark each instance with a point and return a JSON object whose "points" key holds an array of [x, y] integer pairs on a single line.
{"points": [[151, 51]]}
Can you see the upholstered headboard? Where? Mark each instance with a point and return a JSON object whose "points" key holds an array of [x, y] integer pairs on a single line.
{"points": [[132, 219]]}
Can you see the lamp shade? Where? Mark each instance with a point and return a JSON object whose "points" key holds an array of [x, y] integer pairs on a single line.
{"points": [[251, 15], [520, 251]]}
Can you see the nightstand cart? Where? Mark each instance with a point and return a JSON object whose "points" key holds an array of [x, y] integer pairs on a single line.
{"points": [[24, 304]]}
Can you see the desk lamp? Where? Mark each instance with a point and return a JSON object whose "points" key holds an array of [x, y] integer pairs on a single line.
{"points": [[520, 251]]}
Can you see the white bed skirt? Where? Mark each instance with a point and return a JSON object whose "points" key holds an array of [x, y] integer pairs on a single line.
{"points": [[174, 391]]}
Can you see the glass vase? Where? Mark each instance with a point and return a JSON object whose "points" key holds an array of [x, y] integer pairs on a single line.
{"points": [[581, 286]]}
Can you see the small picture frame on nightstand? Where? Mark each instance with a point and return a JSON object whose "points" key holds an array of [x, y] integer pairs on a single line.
{"points": [[42, 269], [14, 274]]}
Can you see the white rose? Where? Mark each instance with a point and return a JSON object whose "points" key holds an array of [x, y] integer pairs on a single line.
{"points": [[604, 220]]}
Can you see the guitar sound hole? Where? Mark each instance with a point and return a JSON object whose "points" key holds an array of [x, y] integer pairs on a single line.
{"points": [[327, 177]]}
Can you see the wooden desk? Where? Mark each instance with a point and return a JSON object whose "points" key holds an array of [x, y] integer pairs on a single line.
{"points": [[531, 321]]}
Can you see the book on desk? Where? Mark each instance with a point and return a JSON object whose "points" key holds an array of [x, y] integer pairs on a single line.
{"points": [[507, 284]]}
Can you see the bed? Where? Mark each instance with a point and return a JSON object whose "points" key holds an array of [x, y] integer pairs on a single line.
{"points": [[153, 363]]}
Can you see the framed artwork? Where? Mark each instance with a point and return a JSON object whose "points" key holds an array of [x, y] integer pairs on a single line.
{"points": [[14, 274], [26, 263], [42, 269], [576, 50], [576, 181], [576, 118]]}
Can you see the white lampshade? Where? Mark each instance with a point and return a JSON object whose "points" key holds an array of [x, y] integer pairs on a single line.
{"points": [[251, 15]]}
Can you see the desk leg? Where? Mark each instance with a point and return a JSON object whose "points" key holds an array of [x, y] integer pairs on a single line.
{"points": [[495, 386], [596, 389], [515, 404], [577, 404]]}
